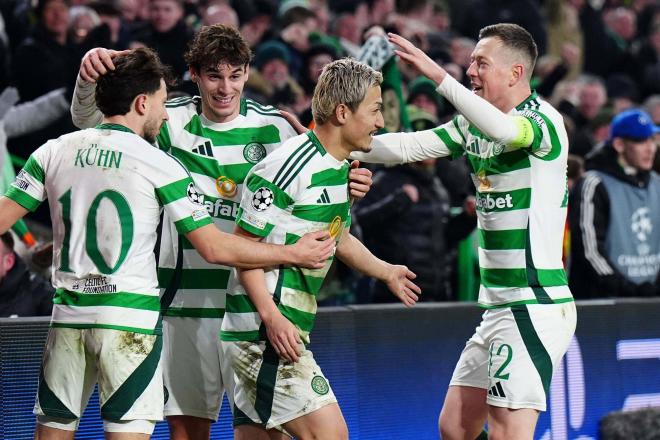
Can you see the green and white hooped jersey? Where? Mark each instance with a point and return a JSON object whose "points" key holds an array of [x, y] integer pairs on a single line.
{"points": [[218, 156], [107, 187], [297, 189], [521, 206]]}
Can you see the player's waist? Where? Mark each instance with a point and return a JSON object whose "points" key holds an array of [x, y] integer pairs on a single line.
{"points": [[497, 297]]}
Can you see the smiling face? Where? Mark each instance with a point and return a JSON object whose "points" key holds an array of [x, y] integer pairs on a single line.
{"points": [[220, 88], [362, 124], [491, 71]]}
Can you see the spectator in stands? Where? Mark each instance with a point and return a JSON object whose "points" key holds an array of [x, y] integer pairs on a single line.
{"points": [[22, 293], [615, 215], [423, 95], [405, 218], [167, 33], [47, 60], [255, 19], [281, 90]]}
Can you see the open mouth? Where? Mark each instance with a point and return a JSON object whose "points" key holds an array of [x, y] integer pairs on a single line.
{"points": [[222, 100], [476, 88]]}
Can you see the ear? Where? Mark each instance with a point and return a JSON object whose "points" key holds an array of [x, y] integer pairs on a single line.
{"points": [[618, 145], [8, 261], [194, 76], [517, 73], [140, 104], [341, 113]]}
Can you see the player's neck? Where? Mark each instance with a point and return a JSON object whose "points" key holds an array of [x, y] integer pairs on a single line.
{"points": [[513, 99], [330, 137], [136, 126]]}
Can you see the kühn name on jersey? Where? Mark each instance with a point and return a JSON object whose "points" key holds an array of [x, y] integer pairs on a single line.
{"points": [[99, 157]]}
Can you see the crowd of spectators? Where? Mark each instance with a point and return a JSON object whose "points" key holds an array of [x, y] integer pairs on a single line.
{"points": [[597, 59]]}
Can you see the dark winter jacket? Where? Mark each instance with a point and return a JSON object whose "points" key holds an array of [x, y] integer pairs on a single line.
{"points": [[23, 293]]}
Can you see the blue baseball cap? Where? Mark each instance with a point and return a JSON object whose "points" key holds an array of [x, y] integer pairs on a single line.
{"points": [[633, 124]]}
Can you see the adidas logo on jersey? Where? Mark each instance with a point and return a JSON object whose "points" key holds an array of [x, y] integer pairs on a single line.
{"points": [[325, 198], [497, 390], [204, 149]]}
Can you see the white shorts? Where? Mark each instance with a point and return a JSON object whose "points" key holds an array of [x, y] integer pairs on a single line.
{"points": [[513, 352], [270, 391], [125, 365], [194, 378]]}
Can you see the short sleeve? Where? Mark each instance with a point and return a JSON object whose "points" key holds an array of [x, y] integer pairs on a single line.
{"points": [[29, 187]]}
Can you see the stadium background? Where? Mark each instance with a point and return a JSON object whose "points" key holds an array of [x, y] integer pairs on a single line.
{"points": [[390, 367]]}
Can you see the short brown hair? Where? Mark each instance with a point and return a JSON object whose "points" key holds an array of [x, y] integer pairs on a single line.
{"points": [[137, 72], [217, 44], [514, 37]]}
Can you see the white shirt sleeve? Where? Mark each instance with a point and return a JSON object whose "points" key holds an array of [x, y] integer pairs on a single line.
{"points": [[84, 112], [486, 117]]}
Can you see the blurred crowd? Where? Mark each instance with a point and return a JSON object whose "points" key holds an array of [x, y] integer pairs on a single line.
{"points": [[597, 59]]}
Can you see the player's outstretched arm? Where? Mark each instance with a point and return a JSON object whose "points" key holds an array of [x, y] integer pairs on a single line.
{"points": [[510, 130], [397, 278], [215, 246], [10, 213], [95, 63]]}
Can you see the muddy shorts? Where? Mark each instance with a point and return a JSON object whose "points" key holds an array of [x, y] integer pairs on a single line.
{"points": [[270, 391]]}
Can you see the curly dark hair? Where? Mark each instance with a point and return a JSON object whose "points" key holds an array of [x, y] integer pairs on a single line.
{"points": [[217, 44]]}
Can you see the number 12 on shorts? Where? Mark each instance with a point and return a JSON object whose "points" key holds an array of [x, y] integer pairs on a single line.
{"points": [[499, 358]]}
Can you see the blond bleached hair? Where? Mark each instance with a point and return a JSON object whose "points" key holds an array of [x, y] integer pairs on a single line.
{"points": [[344, 81]]}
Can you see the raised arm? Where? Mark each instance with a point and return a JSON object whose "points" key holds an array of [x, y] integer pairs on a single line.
{"points": [[515, 131], [95, 63]]}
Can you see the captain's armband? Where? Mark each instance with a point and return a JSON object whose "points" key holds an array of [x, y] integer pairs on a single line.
{"points": [[525, 133]]}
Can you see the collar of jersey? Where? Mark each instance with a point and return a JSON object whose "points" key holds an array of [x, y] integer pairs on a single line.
{"points": [[118, 127], [317, 143], [531, 97]]}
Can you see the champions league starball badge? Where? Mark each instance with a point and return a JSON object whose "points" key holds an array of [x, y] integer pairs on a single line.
{"points": [[225, 186], [262, 199]]}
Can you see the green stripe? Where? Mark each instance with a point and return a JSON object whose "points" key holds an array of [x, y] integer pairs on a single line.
{"points": [[50, 404], [116, 127], [292, 169], [255, 104], [555, 144], [522, 302], [285, 165], [517, 199], [33, 168], [458, 128], [268, 227], [533, 276], [502, 163], [164, 140], [239, 304], [252, 335], [317, 143], [144, 331], [196, 278], [123, 399], [301, 166], [535, 348], [455, 147], [290, 238], [330, 177], [173, 191], [303, 320], [527, 100], [190, 312], [502, 240], [266, 383], [518, 278], [187, 224], [22, 198], [294, 279], [321, 213], [267, 134], [281, 199], [119, 299], [210, 167]]}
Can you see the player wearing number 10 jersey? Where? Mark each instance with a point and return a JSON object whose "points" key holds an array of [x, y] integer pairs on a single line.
{"points": [[107, 187]]}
